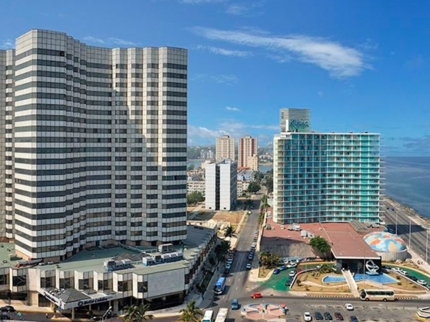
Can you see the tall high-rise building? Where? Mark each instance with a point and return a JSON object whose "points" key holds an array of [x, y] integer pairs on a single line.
{"points": [[324, 176], [221, 185], [224, 148], [248, 157], [93, 145]]}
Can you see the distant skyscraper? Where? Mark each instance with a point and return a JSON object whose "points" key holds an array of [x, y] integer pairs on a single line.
{"points": [[248, 157], [221, 185], [225, 148], [324, 176], [93, 145]]}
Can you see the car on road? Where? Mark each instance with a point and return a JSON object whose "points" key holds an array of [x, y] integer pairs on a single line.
{"points": [[422, 282], [318, 316], [235, 304], [7, 308], [349, 307], [248, 266], [256, 296], [353, 318], [276, 271], [307, 316], [292, 273], [327, 316], [338, 316]]}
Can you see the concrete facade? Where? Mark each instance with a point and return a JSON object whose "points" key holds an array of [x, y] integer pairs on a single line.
{"points": [[221, 185], [93, 147]]}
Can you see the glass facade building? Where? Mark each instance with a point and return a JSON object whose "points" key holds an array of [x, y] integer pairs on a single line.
{"points": [[321, 177]]}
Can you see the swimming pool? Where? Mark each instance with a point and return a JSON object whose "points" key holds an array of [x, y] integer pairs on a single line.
{"points": [[382, 278]]}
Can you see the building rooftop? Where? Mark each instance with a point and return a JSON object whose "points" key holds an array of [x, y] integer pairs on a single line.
{"points": [[345, 241], [93, 259]]}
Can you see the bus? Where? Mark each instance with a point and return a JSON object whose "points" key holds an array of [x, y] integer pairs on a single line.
{"points": [[207, 317], [222, 315], [220, 286], [377, 295]]}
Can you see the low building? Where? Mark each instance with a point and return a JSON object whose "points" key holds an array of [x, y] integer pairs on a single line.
{"points": [[196, 186], [115, 276]]}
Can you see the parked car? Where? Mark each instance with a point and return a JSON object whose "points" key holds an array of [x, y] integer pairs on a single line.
{"points": [[292, 273], [349, 307], [250, 257], [256, 295], [318, 316], [327, 316], [413, 278], [7, 308], [422, 282], [227, 266], [283, 268], [338, 316], [353, 318], [307, 316], [248, 266]]}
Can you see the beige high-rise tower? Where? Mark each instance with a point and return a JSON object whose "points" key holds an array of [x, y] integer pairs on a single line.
{"points": [[225, 148], [248, 157]]}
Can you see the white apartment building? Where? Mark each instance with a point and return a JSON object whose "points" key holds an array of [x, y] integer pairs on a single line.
{"points": [[196, 186], [93, 145], [248, 157], [224, 148], [221, 185]]}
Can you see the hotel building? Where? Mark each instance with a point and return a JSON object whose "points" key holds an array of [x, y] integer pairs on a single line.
{"points": [[224, 148], [320, 177], [248, 157], [93, 145]]}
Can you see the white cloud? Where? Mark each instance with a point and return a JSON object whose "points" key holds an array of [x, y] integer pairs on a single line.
{"points": [[111, 41], [7, 44], [225, 52], [249, 9], [203, 135], [233, 109], [228, 79], [340, 61], [95, 40], [200, 1]]}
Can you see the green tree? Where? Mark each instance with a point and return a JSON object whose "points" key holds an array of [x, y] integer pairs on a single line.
{"points": [[268, 182], [229, 231], [320, 245], [254, 187], [222, 249], [191, 313], [194, 197], [269, 259], [137, 313], [258, 176], [264, 203]]}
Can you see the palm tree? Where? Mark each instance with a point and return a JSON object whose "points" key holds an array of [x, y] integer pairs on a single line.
{"points": [[229, 231], [137, 313], [191, 313]]}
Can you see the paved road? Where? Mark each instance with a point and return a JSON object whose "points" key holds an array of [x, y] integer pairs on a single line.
{"points": [[411, 233], [238, 274]]}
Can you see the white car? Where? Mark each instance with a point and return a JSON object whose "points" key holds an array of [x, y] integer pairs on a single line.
{"points": [[307, 316], [349, 307], [227, 266], [422, 282], [291, 274]]}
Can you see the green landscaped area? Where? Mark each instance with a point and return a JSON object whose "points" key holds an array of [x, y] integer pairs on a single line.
{"points": [[277, 282]]}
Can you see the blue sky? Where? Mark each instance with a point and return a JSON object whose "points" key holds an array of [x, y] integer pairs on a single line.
{"points": [[358, 65]]}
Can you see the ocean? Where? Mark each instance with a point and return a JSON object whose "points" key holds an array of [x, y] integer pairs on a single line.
{"points": [[407, 180]]}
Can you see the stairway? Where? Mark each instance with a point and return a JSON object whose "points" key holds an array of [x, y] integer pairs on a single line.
{"points": [[351, 282]]}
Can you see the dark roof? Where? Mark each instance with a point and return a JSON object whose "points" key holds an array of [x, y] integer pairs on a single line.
{"points": [[68, 295]]}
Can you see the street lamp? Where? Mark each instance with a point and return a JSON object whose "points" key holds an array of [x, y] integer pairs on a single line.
{"points": [[410, 229], [427, 242]]}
